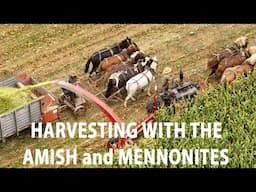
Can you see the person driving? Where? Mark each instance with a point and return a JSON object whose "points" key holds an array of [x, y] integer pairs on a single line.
{"points": [[73, 79]]}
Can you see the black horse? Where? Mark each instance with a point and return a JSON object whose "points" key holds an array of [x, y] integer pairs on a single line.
{"points": [[98, 56]]}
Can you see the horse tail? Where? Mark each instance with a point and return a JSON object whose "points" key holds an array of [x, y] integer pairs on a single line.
{"points": [[87, 65], [109, 88]]}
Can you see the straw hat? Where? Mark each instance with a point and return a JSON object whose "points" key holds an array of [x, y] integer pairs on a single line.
{"points": [[167, 70]]}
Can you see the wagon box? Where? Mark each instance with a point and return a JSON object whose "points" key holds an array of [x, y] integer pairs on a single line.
{"points": [[43, 108], [16, 120]]}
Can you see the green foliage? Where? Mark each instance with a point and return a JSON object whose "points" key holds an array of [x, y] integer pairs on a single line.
{"points": [[8, 102], [235, 109], [11, 98]]}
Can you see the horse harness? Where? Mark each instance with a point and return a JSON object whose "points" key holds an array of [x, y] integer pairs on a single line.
{"points": [[119, 58], [234, 50], [144, 75], [234, 73], [110, 50], [128, 73], [226, 62]]}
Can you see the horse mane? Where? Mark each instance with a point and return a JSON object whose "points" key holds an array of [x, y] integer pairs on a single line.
{"points": [[129, 39], [135, 44]]}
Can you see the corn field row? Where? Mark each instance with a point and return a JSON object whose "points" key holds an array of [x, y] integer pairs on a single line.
{"points": [[235, 109]]}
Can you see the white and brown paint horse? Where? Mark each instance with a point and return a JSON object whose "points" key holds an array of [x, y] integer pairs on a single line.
{"points": [[118, 80], [141, 81]]}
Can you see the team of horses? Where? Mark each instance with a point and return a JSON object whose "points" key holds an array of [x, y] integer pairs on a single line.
{"points": [[233, 62], [124, 67], [232, 73]]}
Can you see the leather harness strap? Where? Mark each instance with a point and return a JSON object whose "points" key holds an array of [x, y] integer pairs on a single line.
{"points": [[119, 58], [99, 52], [111, 51], [230, 50], [233, 72], [143, 75], [236, 47]]}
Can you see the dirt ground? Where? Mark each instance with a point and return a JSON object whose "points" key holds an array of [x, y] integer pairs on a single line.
{"points": [[53, 51]]}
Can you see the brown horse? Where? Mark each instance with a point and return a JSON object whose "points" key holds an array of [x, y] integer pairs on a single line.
{"points": [[215, 58], [123, 66], [231, 62], [230, 74], [116, 59]]}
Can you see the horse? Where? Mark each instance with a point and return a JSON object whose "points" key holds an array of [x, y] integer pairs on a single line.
{"points": [[141, 81], [230, 74], [118, 58], [118, 79], [241, 42], [215, 58], [98, 56], [135, 57], [231, 62]]}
